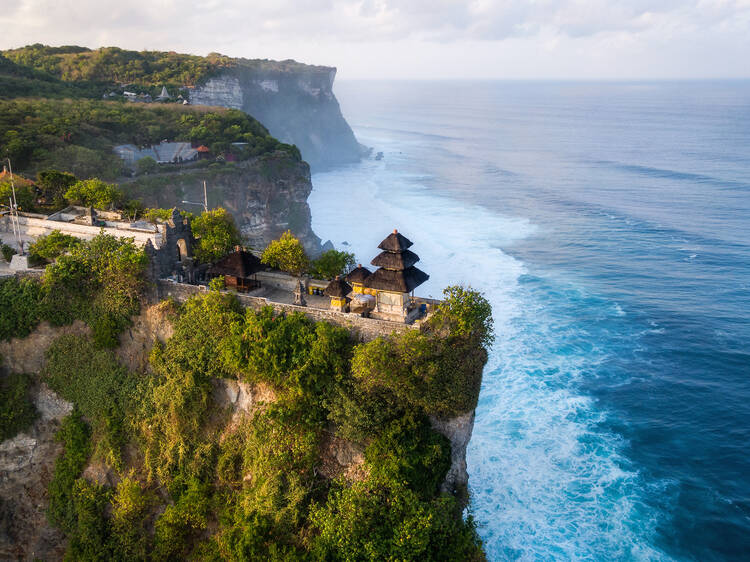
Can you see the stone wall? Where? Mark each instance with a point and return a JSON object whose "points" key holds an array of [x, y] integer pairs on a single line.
{"points": [[34, 227], [362, 329]]}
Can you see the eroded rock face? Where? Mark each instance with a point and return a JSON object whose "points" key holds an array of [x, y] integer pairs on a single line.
{"points": [[27, 355], [297, 106], [151, 325], [458, 431], [240, 398], [26, 467], [341, 457], [266, 196]]}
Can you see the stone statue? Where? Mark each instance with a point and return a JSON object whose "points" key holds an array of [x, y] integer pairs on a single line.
{"points": [[299, 294]]}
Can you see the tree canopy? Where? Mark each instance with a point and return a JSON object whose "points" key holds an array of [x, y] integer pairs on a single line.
{"points": [[216, 235], [78, 135], [94, 193], [332, 263], [286, 254]]}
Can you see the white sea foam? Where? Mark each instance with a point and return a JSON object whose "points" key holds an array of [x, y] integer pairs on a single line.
{"points": [[546, 482]]}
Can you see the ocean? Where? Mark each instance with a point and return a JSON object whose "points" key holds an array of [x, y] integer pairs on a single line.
{"points": [[608, 225]]}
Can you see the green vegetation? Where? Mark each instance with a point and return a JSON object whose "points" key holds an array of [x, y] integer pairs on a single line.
{"points": [[286, 254], [17, 411], [95, 382], [197, 480], [114, 65], [23, 81], [332, 263], [52, 186], [438, 369], [93, 193], [7, 252], [216, 235], [78, 136], [25, 194], [74, 434], [201, 484], [51, 246], [99, 281], [84, 72]]}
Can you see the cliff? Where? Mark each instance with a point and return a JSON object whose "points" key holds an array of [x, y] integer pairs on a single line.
{"points": [[295, 102], [266, 195]]}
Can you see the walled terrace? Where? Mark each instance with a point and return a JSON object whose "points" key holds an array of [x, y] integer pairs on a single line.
{"points": [[277, 291], [81, 222]]}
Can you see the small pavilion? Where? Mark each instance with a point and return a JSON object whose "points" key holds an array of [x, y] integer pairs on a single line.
{"points": [[395, 279], [238, 269], [356, 278], [338, 289]]}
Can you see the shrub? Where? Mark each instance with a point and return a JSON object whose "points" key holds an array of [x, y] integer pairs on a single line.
{"points": [[409, 451], [7, 252], [94, 381], [25, 195], [380, 519], [100, 281], [53, 245], [130, 516], [332, 263], [89, 536], [157, 215], [17, 411], [286, 254], [74, 434], [20, 307], [292, 353], [466, 314], [180, 522], [146, 165]]}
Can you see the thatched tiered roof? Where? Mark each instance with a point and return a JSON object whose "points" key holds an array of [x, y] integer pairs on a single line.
{"points": [[397, 281], [337, 288], [396, 266], [395, 242], [359, 274], [239, 263], [396, 261]]}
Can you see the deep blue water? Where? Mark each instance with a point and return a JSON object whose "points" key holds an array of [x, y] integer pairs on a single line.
{"points": [[608, 224]]}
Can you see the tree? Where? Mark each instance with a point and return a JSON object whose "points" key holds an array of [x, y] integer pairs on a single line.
{"points": [[53, 245], [146, 165], [286, 254], [25, 195], [216, 235], [95, 193], [332, 263], [53, 184]]}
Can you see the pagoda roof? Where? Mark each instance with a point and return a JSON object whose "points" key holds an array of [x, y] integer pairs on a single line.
{"points": [[395, 242], [358, 275], [396, 281], [337, 288], [397, 261], [239, 263]]}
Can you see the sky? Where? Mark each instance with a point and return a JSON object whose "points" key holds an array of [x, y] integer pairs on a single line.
{"points": [[415, 39]]}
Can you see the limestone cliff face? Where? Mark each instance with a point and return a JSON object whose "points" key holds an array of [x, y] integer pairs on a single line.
{"points": [[458, 431], [266, 196], [296, 104]]}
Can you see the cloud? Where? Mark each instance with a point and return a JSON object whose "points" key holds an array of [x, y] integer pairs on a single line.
{"points": [[339, 28]]}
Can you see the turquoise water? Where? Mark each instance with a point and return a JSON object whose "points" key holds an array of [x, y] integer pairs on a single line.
{"points": [[608, 224]]}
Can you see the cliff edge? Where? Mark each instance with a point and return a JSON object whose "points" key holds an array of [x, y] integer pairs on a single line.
{"points": [[295, 103]]}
